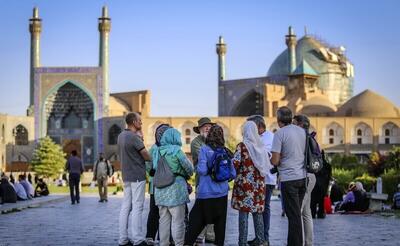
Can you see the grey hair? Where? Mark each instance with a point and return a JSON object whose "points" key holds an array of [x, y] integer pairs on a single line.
{"points": [[258, 119], [284, 115]]}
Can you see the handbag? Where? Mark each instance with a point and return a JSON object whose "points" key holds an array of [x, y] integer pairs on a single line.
{"points": [[163, 176]]}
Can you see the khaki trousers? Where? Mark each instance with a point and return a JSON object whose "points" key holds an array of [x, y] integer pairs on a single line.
{"points": [[102, 184]]}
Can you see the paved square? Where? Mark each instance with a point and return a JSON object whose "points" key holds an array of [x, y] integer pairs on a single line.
{"points": [[93, 223]]}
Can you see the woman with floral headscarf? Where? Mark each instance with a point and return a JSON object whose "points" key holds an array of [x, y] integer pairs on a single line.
{"points": [[171, 200], [248, 195]]}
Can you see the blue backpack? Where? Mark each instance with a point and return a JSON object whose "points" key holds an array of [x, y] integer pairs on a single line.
{"points": [[220, 169]]}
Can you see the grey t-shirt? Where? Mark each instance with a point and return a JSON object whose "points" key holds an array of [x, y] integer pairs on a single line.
{"points": [[132, 163], [290, 142]]}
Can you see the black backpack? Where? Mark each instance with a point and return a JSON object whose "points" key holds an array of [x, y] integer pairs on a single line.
{"points": [[313, 160]]}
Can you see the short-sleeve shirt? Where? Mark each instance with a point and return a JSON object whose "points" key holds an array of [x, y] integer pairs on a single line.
{"points": [[290, 142], [132, 163]]}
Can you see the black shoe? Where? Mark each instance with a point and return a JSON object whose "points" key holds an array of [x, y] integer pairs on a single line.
{"points": [[72, 203], [105, 200], [77, 201], [321, 216], [101, 200], [209, 241], [127, 244], [251, 242]]}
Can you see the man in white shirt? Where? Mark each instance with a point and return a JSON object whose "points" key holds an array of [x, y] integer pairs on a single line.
{"points": [[270, 179]]}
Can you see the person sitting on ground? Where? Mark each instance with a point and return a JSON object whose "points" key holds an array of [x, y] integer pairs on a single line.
{"points": [[19, 189], [27, 186], [396, 198], [356, 199], [7, 192], [41, 188]]}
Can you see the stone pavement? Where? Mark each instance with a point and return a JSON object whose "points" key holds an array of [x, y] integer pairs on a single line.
{"points": [[93, 223], [20, 205]]}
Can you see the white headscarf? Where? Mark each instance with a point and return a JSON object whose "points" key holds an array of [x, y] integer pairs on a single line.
{"points": [[359, 186], [254, 145]]}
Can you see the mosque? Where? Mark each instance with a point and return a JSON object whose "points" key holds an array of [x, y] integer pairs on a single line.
{"points": [[73, 105]]}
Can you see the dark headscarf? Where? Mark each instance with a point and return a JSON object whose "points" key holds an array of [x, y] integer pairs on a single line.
{"points": [[160, 131], [215, 137]]}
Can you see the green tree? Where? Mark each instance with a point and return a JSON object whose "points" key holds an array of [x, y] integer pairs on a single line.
{"points": [[393, 159], [48, 158], [376, 164]]}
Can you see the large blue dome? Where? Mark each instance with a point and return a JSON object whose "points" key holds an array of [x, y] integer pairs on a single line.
{"points": [[307, 48]]}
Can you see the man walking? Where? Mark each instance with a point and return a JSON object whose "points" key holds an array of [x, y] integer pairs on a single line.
{"points": [[270, 179], [288, 154], [102, 169], [75, 168], [203, 126], [132, 154]]}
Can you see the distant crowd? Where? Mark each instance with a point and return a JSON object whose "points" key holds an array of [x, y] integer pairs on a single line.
{"points": [[12, 190]]}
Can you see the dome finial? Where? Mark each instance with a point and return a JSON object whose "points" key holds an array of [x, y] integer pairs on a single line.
{"points": [[105, 11], [35, 12], [305, 31], [291, 31]]}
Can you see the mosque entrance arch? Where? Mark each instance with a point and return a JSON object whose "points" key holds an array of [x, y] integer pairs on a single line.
{"points": [[249, 104], [69, 119]]}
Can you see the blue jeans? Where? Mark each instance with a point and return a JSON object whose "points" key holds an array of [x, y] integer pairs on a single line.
{"points": [[267, 210]]}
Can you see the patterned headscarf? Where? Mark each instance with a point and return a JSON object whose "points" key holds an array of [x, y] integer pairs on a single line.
{"points": [[215, 137], [160, 131]]}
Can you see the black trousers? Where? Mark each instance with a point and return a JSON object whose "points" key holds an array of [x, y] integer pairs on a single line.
{"points": [[317, 201], [152, 219], [293, 194], [206, 212], [74, 179]]}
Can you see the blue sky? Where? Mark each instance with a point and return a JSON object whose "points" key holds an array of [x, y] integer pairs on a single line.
{"points": [[168, 47]]}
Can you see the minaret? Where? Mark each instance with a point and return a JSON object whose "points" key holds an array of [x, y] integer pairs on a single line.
{"points": [[221, 51], [35, 28], [291, 44], [104, 29]]}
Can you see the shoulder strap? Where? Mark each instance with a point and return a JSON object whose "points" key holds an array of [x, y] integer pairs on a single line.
{"points": [[306, 149]]}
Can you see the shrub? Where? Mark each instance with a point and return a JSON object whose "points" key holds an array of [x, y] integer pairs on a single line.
{"points": [[347, 162], [393, 159], [343, 177], [376, 164], [390, 180]]}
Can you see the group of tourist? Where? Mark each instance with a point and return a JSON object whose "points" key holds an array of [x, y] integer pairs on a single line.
{"points": [[214, 165], [12, 191]]}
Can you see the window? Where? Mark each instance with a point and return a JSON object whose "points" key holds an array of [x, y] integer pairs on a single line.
{"points": [[21, 135], [187, 140], [331, 132], [387, 132], [359, 132], [113, 133], [359, 140], [187, 132], [387, 140], [331, 141]]}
